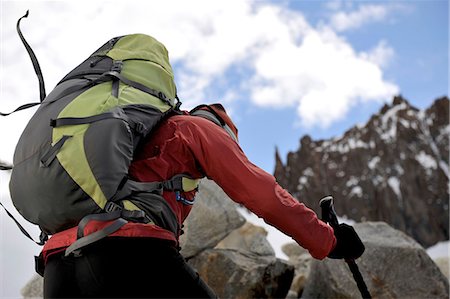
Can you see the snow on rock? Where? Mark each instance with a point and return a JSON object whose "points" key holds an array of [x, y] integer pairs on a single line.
{"points": [[394, 183], [373, 162], [397, 162], [426, 160]]}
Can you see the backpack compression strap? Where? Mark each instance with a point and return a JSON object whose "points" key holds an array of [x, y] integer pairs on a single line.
{"points": [[91, 238], [116, 213], [37, 70], [42, 238]]}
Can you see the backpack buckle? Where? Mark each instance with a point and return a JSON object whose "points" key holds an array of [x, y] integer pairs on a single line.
{"points": [[174, 184], [112, 207], [117, 66], [140, 128]]}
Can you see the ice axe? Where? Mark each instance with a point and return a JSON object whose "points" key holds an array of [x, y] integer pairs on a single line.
{"points": [[329, 216]]}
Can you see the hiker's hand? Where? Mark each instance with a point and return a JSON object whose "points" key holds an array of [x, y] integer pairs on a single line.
{"points": [[348, 243]]}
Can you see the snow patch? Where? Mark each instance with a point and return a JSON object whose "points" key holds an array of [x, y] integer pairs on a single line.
{"points": [[399, 169], [441, 249], [391, 114], [344, 146], [405, 123], [427, 162], [352, 181], [373, 162], [356, 191], [394, 183], [340, 174], [389, 121], [303, 180]]}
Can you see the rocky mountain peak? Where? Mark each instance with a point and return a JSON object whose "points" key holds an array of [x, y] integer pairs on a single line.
{"points": [[393, 169]]}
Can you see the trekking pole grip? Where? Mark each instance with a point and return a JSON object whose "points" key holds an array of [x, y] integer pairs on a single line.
{"points": [[328, 213]]}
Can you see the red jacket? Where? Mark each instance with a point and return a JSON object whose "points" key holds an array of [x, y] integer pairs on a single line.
{"points": [[198, 147]]}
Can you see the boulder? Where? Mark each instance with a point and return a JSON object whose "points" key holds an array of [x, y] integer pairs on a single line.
{"points": [[234, 274], [248, 238], [302, 264], [393, 266], [301, 260], [213, 217], [34, 288], [444, 265], [293, 250]]}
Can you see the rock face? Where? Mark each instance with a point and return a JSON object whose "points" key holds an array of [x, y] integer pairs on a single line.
{"points": [[212, 218], [444, 265], [392, 169], [248, 238], [235, 274], [393, 266], [302, 261], [34, 288]]}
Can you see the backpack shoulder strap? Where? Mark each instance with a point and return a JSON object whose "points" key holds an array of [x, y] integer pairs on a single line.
{"points": [[211, 115]]}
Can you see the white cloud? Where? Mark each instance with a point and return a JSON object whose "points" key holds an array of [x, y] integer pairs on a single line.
{"points": [[323, 76], [381, 55], [289, 62], [365, 14]]}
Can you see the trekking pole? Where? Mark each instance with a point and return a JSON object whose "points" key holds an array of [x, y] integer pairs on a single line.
{"points": [[329, 216]]}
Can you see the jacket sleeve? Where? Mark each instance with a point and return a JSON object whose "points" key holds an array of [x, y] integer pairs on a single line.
{"points": [[223, 161]]}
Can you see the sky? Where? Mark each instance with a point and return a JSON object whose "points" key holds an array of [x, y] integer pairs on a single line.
{"points": [[282, 69]]}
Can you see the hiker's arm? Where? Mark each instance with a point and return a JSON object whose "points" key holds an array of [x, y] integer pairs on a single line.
{"points": [[224, 162]]}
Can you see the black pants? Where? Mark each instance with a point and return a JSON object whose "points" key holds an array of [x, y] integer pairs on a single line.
{"points": [[123, 268]]}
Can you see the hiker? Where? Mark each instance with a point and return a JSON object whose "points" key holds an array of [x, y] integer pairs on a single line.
{"points": [[112, 165], [142, 260]]}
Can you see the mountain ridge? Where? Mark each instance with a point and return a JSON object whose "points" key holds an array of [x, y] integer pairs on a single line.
{"points": [[394, 168]]}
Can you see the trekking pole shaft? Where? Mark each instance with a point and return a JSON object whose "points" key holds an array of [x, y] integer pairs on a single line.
{"points": [[358, 279], [329, 216]]}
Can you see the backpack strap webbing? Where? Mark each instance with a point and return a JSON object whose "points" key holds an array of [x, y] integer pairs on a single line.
{"points": [[37, 68], [158, 94], [112, 212], [23, 107], [43, 237], [91, 238], [211, 115], [181, 182]]}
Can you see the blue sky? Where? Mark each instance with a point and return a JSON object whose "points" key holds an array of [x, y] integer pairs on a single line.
{"points": [[283, 69]]}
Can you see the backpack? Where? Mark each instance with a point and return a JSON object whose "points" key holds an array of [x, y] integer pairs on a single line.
{"points": [[71, 161]]}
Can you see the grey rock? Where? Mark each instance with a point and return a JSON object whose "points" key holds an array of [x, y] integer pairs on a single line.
{"points": [[34, 288], [443, 264], [393, 266], [250, 238], [302, 264], [301, 260], [293, 250], [234, 274], [213, 217]]}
